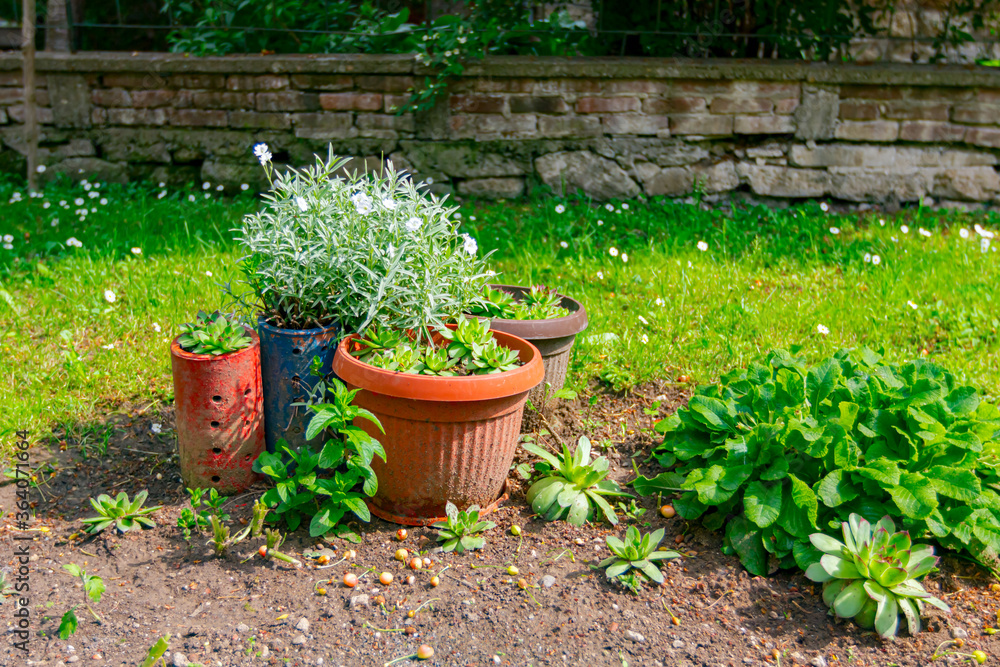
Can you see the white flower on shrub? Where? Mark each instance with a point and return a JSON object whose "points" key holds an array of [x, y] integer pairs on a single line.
{"points": [[413, 224], [388, 204], [109, 296], [470, 244], [263, 153], [303, 206], [156, 428], [362, 203]]}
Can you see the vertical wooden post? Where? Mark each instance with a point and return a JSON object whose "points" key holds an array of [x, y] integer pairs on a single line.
{"points": [[28, 80]]}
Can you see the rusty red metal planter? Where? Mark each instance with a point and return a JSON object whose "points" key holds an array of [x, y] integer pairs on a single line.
{"points": [[219, 411], [446, 438]]}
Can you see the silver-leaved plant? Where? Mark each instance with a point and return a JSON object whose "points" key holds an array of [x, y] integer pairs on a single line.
{"points": [[360, 249]]}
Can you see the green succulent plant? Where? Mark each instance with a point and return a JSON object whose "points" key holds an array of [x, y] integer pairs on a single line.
{"points": [[122, 513], [872, 575], [460, 531], [213, 334], [574, 486], [636, 555]]}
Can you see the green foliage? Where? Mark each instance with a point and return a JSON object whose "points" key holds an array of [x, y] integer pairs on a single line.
{"points": [[789, 447], [872, 575], [395, 253], [460, 531], [156, 651], [93, 588], [122, 513], [469, 349], [540, 303], [195, 519], [634, 560], [574, 486], [300, 493], [5, 586], [213, 334]]}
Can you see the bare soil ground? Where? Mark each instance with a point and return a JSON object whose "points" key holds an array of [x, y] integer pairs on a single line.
{"points": [[228, 612]]}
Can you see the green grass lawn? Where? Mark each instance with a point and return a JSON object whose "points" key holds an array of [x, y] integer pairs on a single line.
{"points": [[84, 329]]}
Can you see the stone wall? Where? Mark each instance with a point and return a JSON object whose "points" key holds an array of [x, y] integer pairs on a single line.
{"points": [[612, 128]]}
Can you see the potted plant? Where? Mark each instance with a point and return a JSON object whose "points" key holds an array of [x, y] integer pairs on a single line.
{"points": [[547, 319], [217, 402]]}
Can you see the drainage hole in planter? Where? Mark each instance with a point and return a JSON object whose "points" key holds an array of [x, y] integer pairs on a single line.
{"points": [[296, 350], [216, 450], [246, 458], [296, 379], [216, 478], [324, 347], [215, 424], [296, 430], [246, 392], [217, 399]]}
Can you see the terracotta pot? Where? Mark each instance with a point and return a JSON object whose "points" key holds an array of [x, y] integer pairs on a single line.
{"points": [[554, 339], [219, 411], [446, 438], [286, 355]]}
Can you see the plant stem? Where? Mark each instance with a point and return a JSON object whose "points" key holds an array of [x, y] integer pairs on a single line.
{"points": [[94, 614]]}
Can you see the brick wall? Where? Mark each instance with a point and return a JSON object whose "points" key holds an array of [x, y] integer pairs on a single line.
{"points": [[609, 127]]}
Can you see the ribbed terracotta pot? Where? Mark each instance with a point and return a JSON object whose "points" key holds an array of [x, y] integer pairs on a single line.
{"points": [[554, 339], [218, 405], [446, 438]]}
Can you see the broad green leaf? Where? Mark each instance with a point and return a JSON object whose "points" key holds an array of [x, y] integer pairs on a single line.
{"points": [[954, 483], [762, 504], [665, 482], [68, 624], [820, 382], [836, 489], [838, 567], [746, 541], [887, 617], [156, 651], [914, 496], [713, 413], [850, 600]]}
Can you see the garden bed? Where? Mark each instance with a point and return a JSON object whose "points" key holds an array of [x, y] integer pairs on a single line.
{"points": [[227, 612]]}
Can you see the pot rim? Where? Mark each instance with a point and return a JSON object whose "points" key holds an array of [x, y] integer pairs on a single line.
{"points": [[177, 351], [262, 323], [444, 389], [559, 327]]}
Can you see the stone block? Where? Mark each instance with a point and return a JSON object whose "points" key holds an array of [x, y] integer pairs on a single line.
{"points": [[198, 117], [882, 157], [133, 145], [774, 181], [871, 92], [671, 105], [976, 114], [635, 124], [598, 177], [981, 136], [485, 85], [764, 125], [907, 110], [558, 127], [702, 125], [816, 117], [567, 86], [669, 181], [931, 131], [69, 98], [461, 160], [111, 97], [351, 101], [257, 120], [3, 117], [76, 148], [768, 150], [492, 188], [128, 80], [478, 103], [967, 183], [137, 116], [479, 126], [716, 178], [861, 184], [549, 104], [875, 130], [222, 100], [42, 114], [607, 104], [854, 110], [10, 95], [323, 125], [290, 100], [376, 121], [392, 103], [322, 81], [637, 86], [232, 175], [249, 82], [786, 106], [89, 167], [746, 105], [386, 83], [152, 99]]}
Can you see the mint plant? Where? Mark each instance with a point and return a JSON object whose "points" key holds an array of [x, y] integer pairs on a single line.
{"points": [[300, 493], [122, 513], [213, 334], [872, 575], [789, 448], [574, 487]]}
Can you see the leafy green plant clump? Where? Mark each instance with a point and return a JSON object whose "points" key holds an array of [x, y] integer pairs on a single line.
{"points": [[872, 575], [574, 486], [300, 493], [122, 513], [788, 448], [93, 588], [213, 334], [460, 531], [393, 252], [469, 349], [634, 560], [539, 303]]}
